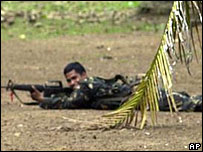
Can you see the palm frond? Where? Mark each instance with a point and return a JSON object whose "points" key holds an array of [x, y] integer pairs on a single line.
{"points": [[159, 75], [184, 15]]}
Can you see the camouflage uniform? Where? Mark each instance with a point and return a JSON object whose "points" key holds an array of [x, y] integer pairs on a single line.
{"points": [[99, 93], [91, 93], [184, 102]]}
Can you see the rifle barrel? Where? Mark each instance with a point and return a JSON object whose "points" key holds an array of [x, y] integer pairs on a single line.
{"points": [[28, 87]]}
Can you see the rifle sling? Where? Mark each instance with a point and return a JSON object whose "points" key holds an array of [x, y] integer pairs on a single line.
{"points": [[24, 103]]}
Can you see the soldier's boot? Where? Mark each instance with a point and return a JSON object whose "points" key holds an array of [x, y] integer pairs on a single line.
{"points": [[197, 100]]}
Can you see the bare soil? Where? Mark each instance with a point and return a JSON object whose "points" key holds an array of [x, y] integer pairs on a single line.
{"points": [[35, 61]]}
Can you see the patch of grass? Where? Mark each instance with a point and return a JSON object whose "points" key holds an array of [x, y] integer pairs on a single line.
{"points": [[48, 28], [150, 27], [69, 6], [54, 28]]}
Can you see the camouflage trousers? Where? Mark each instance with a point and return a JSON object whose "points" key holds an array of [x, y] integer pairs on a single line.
{"points": [[183, 101]]}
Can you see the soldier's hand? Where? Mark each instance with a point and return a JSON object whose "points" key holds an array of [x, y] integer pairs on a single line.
{"points": [[37, 95]]}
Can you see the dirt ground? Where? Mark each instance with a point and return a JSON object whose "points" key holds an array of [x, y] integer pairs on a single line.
{"points": [[35, 61]]}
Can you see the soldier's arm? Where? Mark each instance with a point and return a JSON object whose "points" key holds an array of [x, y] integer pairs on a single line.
{"points": [[78, 99]]}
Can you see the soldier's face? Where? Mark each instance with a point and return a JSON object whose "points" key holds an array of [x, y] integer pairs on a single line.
{"points": [[73, 78]]}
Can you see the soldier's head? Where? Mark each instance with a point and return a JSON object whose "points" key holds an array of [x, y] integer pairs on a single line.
{"points": [[74, 72]]}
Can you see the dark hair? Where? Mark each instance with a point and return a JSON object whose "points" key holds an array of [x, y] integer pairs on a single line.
{"points": [[74, 66]]}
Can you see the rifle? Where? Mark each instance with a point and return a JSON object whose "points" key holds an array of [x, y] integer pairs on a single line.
{"points": [[48, 90]]}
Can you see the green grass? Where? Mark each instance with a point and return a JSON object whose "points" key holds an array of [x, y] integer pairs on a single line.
{"points": [[69, 6], [56, 27]]}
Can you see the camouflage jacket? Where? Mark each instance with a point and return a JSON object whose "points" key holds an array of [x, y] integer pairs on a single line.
{"points": [[91, 93]]}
